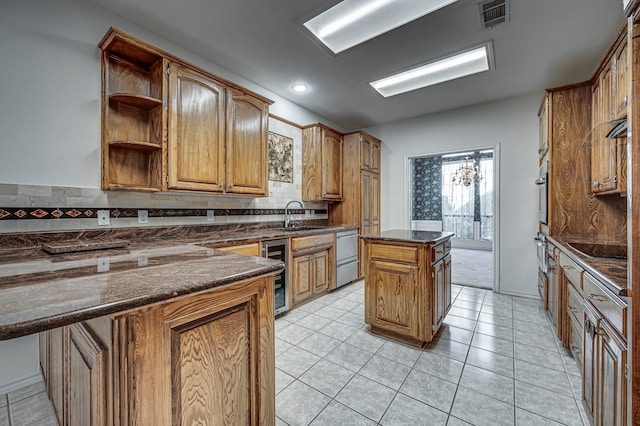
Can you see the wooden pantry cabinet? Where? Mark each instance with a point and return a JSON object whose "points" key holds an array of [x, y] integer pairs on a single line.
{"points": [[321, 163], [361, 187], [206, 358], [170, 126]]}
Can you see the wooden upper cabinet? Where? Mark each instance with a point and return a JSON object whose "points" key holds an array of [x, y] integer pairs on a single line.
{"points": [[622, 81], [247, 144], [321, 163], [196, 131], [370, 153], [169, 125]]}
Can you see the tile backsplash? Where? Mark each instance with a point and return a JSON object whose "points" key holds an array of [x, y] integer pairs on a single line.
{"points": [[34, 208]]}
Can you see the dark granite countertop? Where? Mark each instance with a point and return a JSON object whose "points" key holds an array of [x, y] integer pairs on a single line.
{"points": [[40, 291], [611, 272], [410, 236]]}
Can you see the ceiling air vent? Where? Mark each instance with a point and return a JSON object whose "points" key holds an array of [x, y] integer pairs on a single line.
{"points": [[493, 12]]}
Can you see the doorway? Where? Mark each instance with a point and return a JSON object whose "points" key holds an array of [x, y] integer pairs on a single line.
{"points": [[456, 192]]}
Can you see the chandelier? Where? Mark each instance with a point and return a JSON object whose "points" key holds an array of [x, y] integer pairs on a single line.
{"points": [[467, 173]]}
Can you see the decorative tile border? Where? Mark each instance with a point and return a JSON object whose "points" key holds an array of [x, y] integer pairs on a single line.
{"points": [[23, 213]]}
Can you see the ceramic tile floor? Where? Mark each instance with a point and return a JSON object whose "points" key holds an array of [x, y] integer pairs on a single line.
{"points": [[27, 406], [494, 362]]}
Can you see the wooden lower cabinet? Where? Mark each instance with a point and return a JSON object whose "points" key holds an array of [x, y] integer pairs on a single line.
{"points": [[604, 371], [201, 359], [407, 289], [310, 276]]}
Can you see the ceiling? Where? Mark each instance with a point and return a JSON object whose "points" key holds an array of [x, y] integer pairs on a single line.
{"points": [[545, 43]]}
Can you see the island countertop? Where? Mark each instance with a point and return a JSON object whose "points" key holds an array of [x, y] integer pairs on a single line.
{"points": [[410, 236], [41, 291]]}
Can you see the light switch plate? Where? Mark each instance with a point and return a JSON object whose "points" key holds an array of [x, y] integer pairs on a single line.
{"points": [[103, 264], [103, 217], [211, 216], [143, 216]]}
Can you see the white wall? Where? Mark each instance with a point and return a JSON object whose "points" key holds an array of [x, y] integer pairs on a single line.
{"points": [[513, 125], [50, 111]]}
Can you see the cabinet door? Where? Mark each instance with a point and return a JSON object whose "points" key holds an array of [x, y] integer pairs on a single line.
{"points": [[320, 272], [205, 359], [365, 153], [246, 148], [612, 359], [86, 400], [589, 367], [374, 199], [394, 297], [375, 156], [553, 296], [196, 131], [301, 287], [331, 165], [603, 151], [447, 284], [439, 292], [55, 382], [43, 352], [622, 82]]}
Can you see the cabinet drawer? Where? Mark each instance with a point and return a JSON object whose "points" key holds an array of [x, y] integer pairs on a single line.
{"points": [[609, 305], [574, 304], [571, 270], [301, 243], [575, 340], [440, 251], [395, 253], [248, 249]]}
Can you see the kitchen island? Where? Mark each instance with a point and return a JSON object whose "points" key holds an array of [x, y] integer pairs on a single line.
{"points": [[159, 329], [407, 283]]}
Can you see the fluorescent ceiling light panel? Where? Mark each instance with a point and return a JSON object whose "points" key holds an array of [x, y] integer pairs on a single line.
{"points": [[352, 22], [459, 65]]}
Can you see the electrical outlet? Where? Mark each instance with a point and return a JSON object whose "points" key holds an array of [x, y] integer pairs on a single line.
{"points": [[211, 216], [143, 216], [103, 217], [143, 259], [103, 264]]}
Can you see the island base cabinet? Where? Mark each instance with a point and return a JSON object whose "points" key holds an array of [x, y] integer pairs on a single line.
{"points": [[407, 289], [206, 358]]}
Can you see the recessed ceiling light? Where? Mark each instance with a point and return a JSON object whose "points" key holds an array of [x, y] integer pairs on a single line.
{"points": [[352, 22], [299, 88], [465, 63]]}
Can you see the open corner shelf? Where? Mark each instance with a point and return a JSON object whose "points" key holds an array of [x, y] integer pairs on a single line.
{"points": [[135, 145], [139, 101]]}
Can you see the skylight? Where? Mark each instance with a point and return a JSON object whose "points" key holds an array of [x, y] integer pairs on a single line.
{"points": [[352, 22], [462, 64]]}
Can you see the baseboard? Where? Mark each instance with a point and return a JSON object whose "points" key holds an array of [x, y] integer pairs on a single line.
{"points": [[8, 387]]}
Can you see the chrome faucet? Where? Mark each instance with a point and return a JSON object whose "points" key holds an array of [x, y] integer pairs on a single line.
{"points": [[287, 216]]}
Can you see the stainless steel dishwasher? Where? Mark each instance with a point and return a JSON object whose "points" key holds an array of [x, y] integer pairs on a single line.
{"points": [[346, 257]]}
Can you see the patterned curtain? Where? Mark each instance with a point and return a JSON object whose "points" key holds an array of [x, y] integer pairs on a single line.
{"points": [[458, 203]]}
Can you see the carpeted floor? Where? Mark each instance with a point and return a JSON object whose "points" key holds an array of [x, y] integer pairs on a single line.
{"points": [[472, 267]]}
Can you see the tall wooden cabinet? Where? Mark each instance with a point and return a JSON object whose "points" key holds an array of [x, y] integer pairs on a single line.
{"points": [[321, 163], [206, 358], [361, 183], [170, 126]]}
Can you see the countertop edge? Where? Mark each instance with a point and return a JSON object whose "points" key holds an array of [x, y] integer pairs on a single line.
{"points": [[25, 328], [608, 282]]}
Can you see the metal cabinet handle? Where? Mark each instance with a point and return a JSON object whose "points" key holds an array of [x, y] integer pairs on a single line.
{"points": [[596, 184]]}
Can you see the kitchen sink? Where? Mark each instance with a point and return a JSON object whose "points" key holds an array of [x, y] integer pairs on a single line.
{"points": [[610, 251], [301, 228]]}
